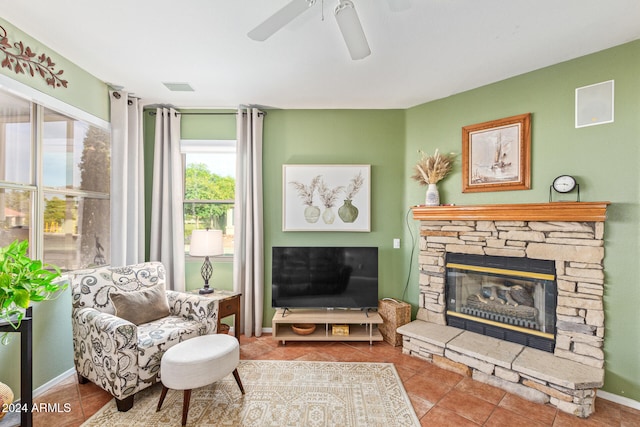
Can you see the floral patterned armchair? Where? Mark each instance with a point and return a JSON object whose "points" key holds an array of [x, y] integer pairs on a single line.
{"points": [[123, 356]]}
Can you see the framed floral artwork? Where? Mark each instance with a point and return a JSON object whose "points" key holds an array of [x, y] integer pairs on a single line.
{"points": [[496, 155], [326, 198]]}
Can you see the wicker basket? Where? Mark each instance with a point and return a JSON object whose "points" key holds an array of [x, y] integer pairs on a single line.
{"points": [[6, 398], [394, 314]]}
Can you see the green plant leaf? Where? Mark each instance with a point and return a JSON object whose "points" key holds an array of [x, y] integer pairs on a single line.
{"points": [[21, 298], [23, 280]]}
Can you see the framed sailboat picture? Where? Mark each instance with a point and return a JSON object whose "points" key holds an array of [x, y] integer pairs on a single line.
{"points": [[496, 155]]}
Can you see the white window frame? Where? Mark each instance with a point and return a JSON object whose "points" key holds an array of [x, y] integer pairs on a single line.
{"points": [[207, 146], [40, 101]]}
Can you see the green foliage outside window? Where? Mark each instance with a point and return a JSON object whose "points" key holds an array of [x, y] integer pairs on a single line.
{"points": [[209, 198], [55, 212]]}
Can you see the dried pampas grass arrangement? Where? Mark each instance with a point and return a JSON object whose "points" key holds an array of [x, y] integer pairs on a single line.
{"points": [[432, 169]]}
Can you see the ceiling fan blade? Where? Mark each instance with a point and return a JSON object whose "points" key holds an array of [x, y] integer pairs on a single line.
{"points": [[279, 19], [351, 30]]}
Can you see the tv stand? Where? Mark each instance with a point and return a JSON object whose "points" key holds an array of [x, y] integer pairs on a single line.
{"points": [[362, 325]]}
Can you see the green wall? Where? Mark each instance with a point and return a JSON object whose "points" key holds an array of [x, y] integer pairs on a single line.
{"points": [[604, 159], [374, 137]]}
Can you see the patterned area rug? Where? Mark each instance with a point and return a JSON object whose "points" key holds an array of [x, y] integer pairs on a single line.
{"points": [[279, 393]]}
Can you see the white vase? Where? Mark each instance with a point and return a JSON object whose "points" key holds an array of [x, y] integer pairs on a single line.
{"points": [[328, 216], [312, 214], [432, 196]]}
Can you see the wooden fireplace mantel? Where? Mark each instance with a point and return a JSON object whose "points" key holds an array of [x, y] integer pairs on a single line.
{"points": [[554, 211]]}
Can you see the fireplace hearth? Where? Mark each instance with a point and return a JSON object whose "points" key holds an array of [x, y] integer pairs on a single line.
{"points": [[513, 299], [481, 320]]}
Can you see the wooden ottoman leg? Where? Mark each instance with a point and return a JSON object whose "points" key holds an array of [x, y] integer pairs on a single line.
{"points": [[185, 406], [237, 377], [163, 394]]}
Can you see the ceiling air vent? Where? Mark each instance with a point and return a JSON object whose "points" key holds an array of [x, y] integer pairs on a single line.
{"points": [[178, 87]]}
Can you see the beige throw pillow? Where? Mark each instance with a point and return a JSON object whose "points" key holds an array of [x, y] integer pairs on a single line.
{"points": [[141, 306]]}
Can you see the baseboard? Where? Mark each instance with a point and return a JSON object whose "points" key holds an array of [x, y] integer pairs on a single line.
{"points": [[624, 401], [52, 383], [232, 330]]}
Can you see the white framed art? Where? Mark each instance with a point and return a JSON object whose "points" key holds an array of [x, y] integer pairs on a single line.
{"points": [[326, 198]]}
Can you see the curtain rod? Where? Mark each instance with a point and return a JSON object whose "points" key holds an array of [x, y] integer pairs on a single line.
{"points": [[117, 95], [261, 113]]}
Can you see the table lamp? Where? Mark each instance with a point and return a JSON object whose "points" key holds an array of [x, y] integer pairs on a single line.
{"points": [[206, 243]]}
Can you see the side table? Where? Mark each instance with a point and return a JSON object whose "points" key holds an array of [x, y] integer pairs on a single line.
{"points": [[228, 305], [26, 364]]}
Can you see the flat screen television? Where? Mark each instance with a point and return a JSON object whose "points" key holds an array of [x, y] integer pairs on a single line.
{"points": [[324, 277]]}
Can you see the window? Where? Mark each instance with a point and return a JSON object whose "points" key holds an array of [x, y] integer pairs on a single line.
{"points": [[54, 184], [17, 192], [209, 188]]}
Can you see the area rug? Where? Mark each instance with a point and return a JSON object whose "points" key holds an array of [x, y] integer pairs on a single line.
{"points": [[279, 393]]}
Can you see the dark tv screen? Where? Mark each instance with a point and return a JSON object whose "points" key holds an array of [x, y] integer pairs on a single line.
{"points": [[324, 277]]}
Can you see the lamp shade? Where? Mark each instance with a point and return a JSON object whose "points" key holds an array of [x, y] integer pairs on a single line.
{"points": [[206, 243], [351, 29]]}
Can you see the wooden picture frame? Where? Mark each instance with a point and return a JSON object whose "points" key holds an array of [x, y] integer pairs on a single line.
{"points": [[496, 155], [326, 198]]}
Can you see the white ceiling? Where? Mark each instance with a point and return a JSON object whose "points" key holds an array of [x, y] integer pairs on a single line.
{"points": [[434, 49]]}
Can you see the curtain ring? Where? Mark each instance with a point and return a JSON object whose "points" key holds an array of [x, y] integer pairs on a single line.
{"points": [[117, 95]]}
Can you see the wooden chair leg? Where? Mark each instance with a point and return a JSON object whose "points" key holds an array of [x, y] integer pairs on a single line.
{"points": [[237, 377], [163, 394], [185, 406]]}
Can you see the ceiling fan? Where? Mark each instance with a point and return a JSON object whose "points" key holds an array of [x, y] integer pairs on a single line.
{"points": [[345, 14]]}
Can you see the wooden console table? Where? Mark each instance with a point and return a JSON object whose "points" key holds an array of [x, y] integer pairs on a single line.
{"points": [[228, 305], [26, 363]]}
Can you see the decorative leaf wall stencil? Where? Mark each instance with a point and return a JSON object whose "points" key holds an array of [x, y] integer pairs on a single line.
{"points": [[22, 59]]}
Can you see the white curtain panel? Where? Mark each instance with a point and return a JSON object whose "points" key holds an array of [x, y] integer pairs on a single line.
{"points": [[127, 185], [248, 266], [167, 224]]}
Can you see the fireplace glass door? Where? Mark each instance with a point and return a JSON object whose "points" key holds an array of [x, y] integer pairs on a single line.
{"points": [[508, 298]]}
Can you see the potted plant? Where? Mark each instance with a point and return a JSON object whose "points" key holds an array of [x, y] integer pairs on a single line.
{"points": [[348, 212], [430, 170], [305, 192], [329, 197], [23, 280]]}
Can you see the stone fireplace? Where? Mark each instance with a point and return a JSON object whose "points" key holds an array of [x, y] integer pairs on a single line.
{"points": [[467, 332]]}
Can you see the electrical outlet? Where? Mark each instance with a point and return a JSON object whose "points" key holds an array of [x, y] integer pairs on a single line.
{"points": [[396, 243]]}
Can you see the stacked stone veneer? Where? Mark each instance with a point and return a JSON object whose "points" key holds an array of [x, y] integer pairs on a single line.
{"points": [[578, 251]]}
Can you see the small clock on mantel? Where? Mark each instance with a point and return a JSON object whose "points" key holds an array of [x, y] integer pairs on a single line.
{"points": [[564, 184]]}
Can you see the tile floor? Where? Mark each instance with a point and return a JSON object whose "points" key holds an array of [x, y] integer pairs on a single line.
{"points": [[440, 397]]}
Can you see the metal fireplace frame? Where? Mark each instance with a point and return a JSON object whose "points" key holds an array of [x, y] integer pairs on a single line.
{"points": [[520, 267]]}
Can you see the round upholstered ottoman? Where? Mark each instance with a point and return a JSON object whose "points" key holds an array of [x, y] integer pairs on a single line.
{"points": [[198, 362]]}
